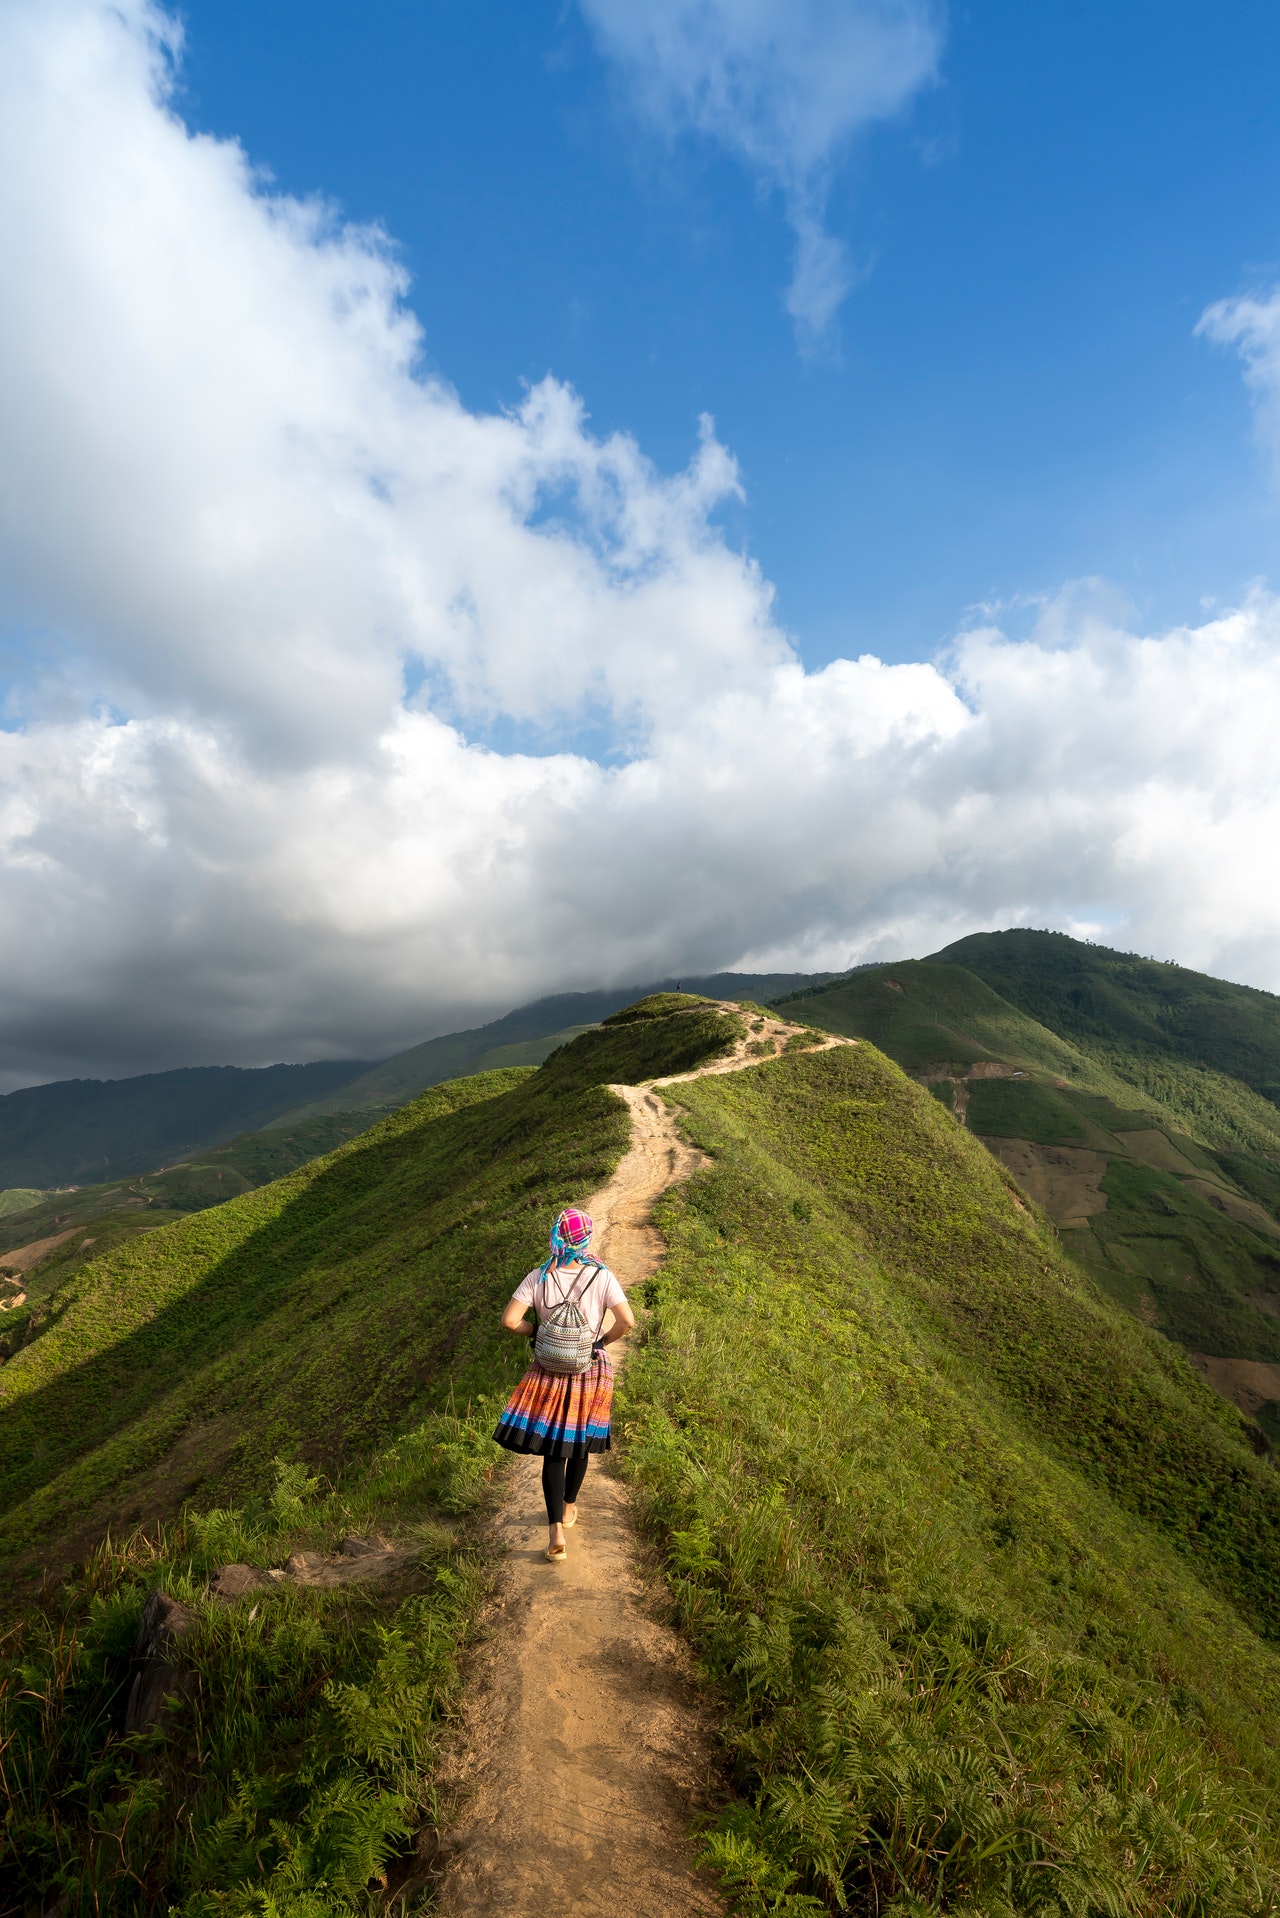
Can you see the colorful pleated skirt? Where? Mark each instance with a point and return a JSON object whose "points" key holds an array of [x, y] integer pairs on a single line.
{"points": [[557, 1416]]}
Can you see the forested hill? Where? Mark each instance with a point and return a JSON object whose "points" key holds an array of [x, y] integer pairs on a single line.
{"points": [[78, 1130], [1107, 998]]}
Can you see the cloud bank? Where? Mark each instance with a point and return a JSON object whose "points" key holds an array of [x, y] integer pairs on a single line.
{"points": [[267, 590], [784, 85]]}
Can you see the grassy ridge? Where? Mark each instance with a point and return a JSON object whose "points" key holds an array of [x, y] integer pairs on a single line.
{"points": [[938, 1519], [924, 1014], [970, 1555], [1183, 1143], [310, 1318], [307, 1316], [1100, 997], [312, 1314]]}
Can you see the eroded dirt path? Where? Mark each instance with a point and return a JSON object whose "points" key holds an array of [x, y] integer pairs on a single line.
{"points": [[586, 1749]]}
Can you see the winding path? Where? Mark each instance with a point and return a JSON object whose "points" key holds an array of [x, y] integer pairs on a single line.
{"points": [[586, 1749]]}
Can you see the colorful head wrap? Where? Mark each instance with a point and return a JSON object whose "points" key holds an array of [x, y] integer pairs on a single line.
{"points": [[570, 1237]]}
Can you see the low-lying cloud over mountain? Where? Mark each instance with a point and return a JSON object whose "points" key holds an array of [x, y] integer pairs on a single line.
{"points": [[268, 589]]}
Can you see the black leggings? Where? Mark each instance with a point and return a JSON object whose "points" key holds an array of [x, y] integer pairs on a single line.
{"points": [[561, 1482]]}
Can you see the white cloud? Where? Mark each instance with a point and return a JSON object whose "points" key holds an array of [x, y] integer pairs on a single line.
{"points": [[239, 518], [1251, 324], [784, 85]]}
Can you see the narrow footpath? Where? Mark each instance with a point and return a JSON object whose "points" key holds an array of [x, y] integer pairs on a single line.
{"points": [[586, 1750]]}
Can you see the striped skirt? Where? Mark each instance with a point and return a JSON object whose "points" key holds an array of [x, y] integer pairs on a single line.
{"points": [[557, 1416]]}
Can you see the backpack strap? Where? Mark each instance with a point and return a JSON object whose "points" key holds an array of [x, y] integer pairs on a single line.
{"points": [[565, 1298]]}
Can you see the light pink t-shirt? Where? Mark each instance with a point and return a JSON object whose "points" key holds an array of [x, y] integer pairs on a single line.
{"points": [[592, 1298]]}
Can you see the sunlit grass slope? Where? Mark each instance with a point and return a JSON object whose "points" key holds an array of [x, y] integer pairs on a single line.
{"points": [[311, 1314], [987, 1577], [326, 1316], [924, 1014], [306, 1315]]}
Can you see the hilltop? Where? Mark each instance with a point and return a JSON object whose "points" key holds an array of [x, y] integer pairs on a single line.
{"points": [[987, 1580], [1162, 1172], [82, 1131], [1117, 999]]}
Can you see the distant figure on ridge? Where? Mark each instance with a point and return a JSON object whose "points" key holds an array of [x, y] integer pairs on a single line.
{"points": [[560, 1409]]}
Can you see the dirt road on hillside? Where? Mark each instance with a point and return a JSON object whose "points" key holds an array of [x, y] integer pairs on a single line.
{"points": [[586, 1750]]}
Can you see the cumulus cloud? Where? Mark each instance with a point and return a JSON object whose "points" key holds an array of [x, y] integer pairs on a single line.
{"points": [[784, 85], [237, 526], [1251, 323]]}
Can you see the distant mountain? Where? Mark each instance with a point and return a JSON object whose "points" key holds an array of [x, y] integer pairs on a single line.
{"points": [[78, 1130], [95, 1131], [1107, 998], [1104, 1085], [526, 1036]]}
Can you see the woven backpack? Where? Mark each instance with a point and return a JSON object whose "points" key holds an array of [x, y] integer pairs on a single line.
{"points": [[563, 1342]]}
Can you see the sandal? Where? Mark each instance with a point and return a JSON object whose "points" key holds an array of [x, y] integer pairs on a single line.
{"points": [[569, 1523], [555, 1553]]}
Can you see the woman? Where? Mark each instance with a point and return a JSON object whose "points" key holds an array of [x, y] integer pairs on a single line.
{"points": [[564, 1419]]}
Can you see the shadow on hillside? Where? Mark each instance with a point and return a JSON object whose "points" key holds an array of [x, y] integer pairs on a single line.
{"points": [[326, 1309]]}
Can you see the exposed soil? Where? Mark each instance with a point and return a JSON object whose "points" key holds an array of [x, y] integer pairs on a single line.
{"points": [[1248, 1383], [1243, 1210], [585, 1750], [1064, 1179], [24, 1257]]}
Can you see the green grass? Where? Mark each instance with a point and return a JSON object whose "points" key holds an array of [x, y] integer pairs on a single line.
{"points": [[964, 1549], [1216, 1110], [1023, 1109], [1201, 1269], [337, 1319], [19, 1198], [313, 1314], [1256, 1175], [308, 1316], [985, 1578], [668, 1032], [293, 1762], [1159, 1249], [926, 1015], [1095, 996]]}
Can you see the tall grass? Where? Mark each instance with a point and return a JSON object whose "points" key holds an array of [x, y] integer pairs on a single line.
{"points": [[291, 1769], [958, 1675]]}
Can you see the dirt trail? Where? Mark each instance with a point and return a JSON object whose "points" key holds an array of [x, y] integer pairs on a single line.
{"points": [[586, 1749]]}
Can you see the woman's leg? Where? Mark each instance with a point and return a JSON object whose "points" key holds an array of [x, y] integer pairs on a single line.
{"points": [[575, 1470], [553, 1489]]}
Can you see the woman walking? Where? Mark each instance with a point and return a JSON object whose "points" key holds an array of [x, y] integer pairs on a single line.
{"points": [[562, 1415]]}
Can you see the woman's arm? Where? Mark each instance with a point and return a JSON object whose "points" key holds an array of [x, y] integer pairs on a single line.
{"points": [[623, 1320], [513, 1319]]}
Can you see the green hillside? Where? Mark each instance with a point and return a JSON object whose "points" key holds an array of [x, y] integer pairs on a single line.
{"points": [[1116, 999], [82, 1129], [70, 1226], [987, 1581], [1162, 1177], [525, 1037]]}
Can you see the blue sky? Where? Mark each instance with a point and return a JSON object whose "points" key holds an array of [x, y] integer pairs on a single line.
{"points": [[382, 642], [1017, 398]]}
